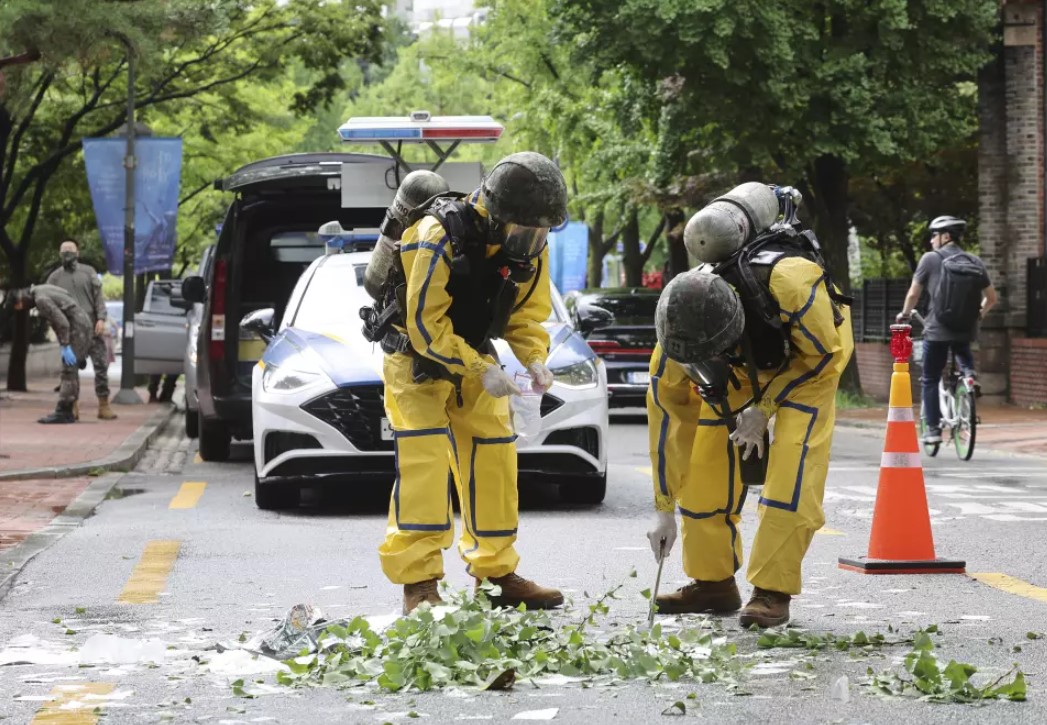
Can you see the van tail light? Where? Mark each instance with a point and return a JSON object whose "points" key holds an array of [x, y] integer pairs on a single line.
{"points": [[602, 347], [613, 347], [218, 291]]}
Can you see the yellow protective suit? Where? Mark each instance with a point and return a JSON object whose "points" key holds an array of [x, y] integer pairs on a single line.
{"points": [[695, 466], [433, 434]]}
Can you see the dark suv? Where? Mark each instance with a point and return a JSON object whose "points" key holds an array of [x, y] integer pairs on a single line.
{"points": [[267, 240], [618, 324]]}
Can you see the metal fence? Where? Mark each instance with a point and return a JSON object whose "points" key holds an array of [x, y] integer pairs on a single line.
{"points": [[876, 303]]}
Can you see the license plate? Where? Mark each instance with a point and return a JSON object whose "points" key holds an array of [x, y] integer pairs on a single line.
{"points": [[639, 378], [387, 430]]}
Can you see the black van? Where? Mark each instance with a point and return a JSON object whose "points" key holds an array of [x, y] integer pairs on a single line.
{"points": [[267, 240]]}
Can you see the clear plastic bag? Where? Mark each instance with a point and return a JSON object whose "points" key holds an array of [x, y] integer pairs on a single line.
{"points": [[526, 408]]}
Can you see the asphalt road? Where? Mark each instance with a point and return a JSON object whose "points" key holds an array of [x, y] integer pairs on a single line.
{"points": [[237, 569]]}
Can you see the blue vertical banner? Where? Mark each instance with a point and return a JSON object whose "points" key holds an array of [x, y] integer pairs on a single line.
{"points": [[157, 181], [568, 256]]}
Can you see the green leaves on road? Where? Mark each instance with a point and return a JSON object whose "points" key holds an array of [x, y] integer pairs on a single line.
{"points": [[929, 680], [470, 644]]}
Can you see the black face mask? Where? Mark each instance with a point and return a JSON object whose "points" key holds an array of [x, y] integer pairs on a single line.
{"points": [[69, 259]]}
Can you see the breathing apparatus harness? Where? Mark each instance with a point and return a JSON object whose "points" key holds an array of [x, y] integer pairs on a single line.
{"points": [[764, 343], [483, 289]]}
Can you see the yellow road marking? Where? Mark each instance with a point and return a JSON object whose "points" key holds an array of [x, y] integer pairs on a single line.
{"points": [[149, 577], [70, 705], [197, 459], [1011, 585], [828, 532], [188, 495]]}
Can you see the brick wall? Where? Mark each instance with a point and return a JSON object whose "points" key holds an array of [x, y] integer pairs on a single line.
{"points": [[875, 367], [1028, 377]]}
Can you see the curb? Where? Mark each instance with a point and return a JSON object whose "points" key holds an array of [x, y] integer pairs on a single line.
{"points": [[123, 459], [881, 427], [15, 559]]}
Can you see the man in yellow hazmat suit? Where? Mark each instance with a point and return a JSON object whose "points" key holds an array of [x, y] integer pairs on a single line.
{"points": [[472, 270], [758, 332]]}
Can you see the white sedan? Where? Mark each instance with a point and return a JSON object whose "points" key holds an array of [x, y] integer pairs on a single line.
{"points": [[318, 411]]}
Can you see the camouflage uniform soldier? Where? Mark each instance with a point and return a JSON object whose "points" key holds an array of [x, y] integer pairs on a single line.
{"points": [[74, 331], [81, 281]]}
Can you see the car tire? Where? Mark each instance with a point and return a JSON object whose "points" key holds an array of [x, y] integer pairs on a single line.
{"points": [[274, 496], [214, 440], [192, 424], [585, 490]]}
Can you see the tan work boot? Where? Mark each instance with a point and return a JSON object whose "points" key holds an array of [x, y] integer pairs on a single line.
{"points": [[104, 411], [76, 410], [415, 594], [719, 597], [517, 590], [765, 609]]}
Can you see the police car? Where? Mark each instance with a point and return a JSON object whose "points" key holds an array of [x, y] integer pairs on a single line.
{"points": [[318, 411]]}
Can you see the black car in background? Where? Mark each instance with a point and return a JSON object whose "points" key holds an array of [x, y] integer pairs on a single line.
{"points": [[618, 324]]}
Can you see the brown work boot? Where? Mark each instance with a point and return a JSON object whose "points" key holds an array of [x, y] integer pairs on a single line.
{"points": [[415, 594], [765, 609], [517, 590], [719, 597], [104, 411]]}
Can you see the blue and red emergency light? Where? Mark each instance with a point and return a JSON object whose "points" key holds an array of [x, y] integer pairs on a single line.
{"points": [[421, 127]]}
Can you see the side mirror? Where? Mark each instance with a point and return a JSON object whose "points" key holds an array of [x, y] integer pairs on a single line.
{"points": [[194, 290], [259, 322], [591, 317]]}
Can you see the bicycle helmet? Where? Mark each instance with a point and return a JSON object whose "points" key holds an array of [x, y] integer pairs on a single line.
{"points": [[954, 226]]}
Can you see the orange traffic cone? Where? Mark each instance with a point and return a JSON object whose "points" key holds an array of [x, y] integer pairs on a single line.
{"points": [[901, 540]]}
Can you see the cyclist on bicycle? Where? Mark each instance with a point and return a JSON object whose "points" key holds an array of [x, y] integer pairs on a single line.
{"points": [[961, 293]]}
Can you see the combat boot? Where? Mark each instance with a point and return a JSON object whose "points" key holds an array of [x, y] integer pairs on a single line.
{"points": [[516, 591], [720, 597], [62, 414], [104, 411], [415, 594], [765, 609]]}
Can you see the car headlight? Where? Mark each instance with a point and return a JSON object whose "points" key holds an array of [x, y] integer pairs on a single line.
{"points": [[579, 375], [287, 378]]}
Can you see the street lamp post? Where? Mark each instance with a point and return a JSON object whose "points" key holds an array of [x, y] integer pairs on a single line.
{"points": [[127, 394]]}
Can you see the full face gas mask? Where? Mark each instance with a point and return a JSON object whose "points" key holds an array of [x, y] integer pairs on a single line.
{"points": [[521, 245], [69, 259]]}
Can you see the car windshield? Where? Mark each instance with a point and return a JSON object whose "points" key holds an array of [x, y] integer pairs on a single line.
{"points": [[333, 299], [628, 309]]}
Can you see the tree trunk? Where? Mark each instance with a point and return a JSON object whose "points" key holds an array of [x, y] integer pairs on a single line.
{"points": [[16, 368], [632, 259], [595, 273], [679, 262], [829, 182]]}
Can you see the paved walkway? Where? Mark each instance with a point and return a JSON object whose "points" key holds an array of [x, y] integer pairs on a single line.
{"points": [[28, 505], [1002, 428]]}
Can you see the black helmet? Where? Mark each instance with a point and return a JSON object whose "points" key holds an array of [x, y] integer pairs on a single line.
{"points": [[526, 189], [698, 317], [953, 225]]}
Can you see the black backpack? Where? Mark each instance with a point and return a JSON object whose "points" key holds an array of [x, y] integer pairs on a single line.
{"points": [[958, 299]]}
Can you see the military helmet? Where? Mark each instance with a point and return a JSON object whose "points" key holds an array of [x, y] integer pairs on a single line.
{"points": [[698, 317], [526, 189]]}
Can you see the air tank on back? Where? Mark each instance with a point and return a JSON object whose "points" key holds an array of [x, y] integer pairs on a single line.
{"points": [[416, 188], [730, 222]]}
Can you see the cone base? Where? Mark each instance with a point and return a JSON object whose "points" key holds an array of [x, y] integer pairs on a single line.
{"points": [[865, 565]]}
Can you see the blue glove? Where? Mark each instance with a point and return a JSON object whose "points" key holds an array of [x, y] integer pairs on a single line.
{"points": [[68, 356]]}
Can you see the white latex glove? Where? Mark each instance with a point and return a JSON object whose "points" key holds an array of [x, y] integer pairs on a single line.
{"points": [[664, 529], [541, 377], [497, 382], [750, 425]]}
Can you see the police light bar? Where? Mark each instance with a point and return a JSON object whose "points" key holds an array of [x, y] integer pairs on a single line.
{"points": [[337, 239], [420, 127]]}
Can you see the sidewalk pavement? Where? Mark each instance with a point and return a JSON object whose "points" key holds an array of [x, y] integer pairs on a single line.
{"points": [[1002, 427], [44, 468]]}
